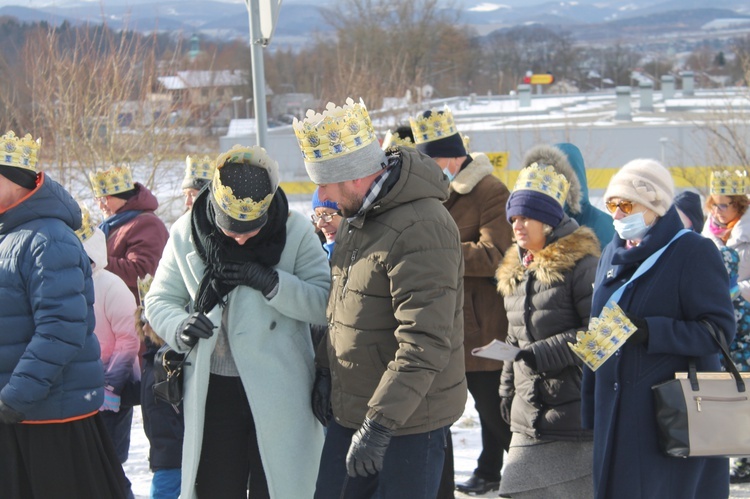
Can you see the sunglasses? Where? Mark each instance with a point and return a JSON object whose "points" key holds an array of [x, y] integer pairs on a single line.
{"points": [[721, 206], [326, 217], [625, 206]]}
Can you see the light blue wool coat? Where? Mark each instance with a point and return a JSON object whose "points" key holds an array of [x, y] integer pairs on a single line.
{"points": [[271, 344]]}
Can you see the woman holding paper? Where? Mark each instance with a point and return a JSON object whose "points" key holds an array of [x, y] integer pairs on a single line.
{"points": [[546, 280], [668, 304]]}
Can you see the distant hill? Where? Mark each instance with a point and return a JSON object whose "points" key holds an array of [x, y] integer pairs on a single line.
{"points": [[299, 19]]}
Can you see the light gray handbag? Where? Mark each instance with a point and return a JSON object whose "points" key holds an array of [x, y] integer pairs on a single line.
{"points": [[704, 414]]}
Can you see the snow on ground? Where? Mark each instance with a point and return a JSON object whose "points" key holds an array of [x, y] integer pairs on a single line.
{"points": [[467, 444]]}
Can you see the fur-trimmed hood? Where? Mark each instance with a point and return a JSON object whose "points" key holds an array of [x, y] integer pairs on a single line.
{"points": [[470, 176], [553, 156], [551, 263]]}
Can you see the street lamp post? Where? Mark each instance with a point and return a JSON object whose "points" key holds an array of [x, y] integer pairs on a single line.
{"points": [[259, 78]]}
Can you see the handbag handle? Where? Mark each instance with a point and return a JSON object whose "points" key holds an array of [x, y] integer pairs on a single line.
{"points": [[719, 339]]}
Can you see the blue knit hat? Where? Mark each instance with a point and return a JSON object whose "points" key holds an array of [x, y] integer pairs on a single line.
{"points": [[317, 203], [534, 205]]}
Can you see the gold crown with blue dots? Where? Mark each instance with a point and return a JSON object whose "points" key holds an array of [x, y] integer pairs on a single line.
{"points": [[729, 182], [87, 225], [144, 284], [201, 168], [116, 180], [543, 179], [605, 335], [438, 125], [245, 209], [19, 152], [335, 132]]}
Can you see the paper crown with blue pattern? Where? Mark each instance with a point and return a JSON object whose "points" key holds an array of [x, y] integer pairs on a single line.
{"points": [[605, 335], [19, 152], [198, 170], [543, 179], [144, 284], [244, 209], [435, 124], [115, 180], [727, 182], [87, 225], [335, 132]]}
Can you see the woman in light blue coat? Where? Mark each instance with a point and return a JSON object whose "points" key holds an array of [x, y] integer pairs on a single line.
{"points": [[239, 283]]}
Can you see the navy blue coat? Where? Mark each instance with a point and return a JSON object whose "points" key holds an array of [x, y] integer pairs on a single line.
{"points": [[685, 286], [49, 355]]}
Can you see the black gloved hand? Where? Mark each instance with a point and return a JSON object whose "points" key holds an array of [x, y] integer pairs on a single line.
{"points": [[367, 450], [528, 357], [8, 415], [641, 334], [505, 405], [195, 327], [321, 396], [251, 274]]}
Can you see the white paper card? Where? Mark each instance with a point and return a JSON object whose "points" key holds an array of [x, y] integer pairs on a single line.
{"points": [[497, 350]]}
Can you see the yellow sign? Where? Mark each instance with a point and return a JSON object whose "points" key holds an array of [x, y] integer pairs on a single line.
{"points": [[542, 79], [499, 161]]}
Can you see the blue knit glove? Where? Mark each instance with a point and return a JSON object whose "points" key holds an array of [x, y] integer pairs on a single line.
{"points": [[111, 401]]}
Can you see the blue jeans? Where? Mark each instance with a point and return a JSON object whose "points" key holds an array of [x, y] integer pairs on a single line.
{"points": [[166, 483], [411, 469], [118, 426]]}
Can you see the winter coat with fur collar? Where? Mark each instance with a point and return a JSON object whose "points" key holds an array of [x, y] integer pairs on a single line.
{"points": [[547, 303]]}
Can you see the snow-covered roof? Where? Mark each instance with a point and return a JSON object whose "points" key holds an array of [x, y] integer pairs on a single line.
{"points": [[201, 79]]}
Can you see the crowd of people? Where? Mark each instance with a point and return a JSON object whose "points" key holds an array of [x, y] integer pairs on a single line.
{"points": [[330, 359]]}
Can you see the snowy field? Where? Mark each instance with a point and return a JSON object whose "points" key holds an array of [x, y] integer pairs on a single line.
{"points": [[466, 447]]}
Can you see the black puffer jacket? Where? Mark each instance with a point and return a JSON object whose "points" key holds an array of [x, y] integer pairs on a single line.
{"points": [[546, 304]]}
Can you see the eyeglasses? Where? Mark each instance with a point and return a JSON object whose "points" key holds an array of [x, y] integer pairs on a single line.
{"points": [[625, 206], [326, 217], [721, 206]]}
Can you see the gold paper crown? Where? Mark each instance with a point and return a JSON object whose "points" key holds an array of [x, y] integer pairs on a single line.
{"points": [[605, 335], [116, 180], [87, 226], [729, 182], [20, 152], [543, 179], [245, 209], [393, 139], [335, 132], [438, 125], [144, 284], [199, 168]]}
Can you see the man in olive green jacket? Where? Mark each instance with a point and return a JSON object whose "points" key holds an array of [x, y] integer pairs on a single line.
{"points": [[392, 364]]}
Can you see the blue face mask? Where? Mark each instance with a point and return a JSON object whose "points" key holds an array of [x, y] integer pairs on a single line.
{"points": [[448, 174], [631, 227]]}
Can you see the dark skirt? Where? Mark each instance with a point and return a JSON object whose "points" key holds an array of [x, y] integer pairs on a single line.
{"points": [[74, 460]]}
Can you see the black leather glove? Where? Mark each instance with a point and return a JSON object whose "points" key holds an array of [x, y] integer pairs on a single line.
{"points": [[195, 327], [505, 405], [321, 396], [8, 415], [528, 357], [251, 274], [366, 453], [641, 334]]}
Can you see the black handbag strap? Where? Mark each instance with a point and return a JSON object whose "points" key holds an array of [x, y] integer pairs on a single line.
{"points": [[728, 364]]}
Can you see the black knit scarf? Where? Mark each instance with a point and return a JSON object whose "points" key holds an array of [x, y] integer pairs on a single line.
{"points": [[216, 249]]}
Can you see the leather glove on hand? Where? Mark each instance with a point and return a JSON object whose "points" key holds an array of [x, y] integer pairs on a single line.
{"points": [[111, 401], [321, 396], [195, 327], [8, 415], [641, 334], [505, 405], [251, 274], [528, 357], [367, 450]]}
